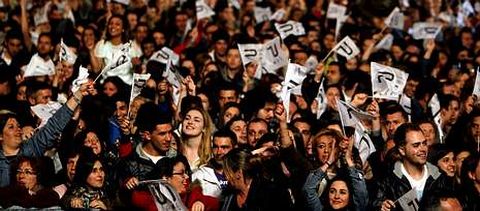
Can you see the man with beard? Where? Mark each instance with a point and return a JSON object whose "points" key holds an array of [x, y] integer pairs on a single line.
{"points": [[211, 176], [411, 172]]}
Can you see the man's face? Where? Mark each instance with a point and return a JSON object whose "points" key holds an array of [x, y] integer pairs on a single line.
{"points": [[42, 96], [121, 108], [415, 150], [141, 33], [220, 47], [475, 128], [181, 22], [333, 74], [161, 137], [14, 46], [255, 131], [410, 88], [233, 59], [71, 164], [392, 121], [450, 114], [226, 96], [429, 133], [221, 146], [44, 45], [266, 113], [304, 129], [301, 58]]}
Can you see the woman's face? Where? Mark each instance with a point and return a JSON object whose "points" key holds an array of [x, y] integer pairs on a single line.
{"points": [[21, 93], [179, 178], [93, 142], [240, 129], [205, 102], [323, 147], [230, 113], [12, 134], [115, 27], [26, 176], [109, 89], [332, 95], [96, 178], [338, 195], [67, 70], [447, 164], [193, 123]]}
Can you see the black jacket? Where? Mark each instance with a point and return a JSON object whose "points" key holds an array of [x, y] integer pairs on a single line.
{"points": [[395, 185]]}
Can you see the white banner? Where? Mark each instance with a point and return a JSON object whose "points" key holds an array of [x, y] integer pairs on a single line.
{"points": [[81, 79], [395, 19], [290, 28], [46, 111], [294, 76], [235, 4], [424, 30], [434, 105], [311, 64], [262, 14], [120, 64], [39, 67], [278, 15], [203, 10], [273, 56], [66, 54], [321, 100], [406, 103], [338, 25], [476, 88], [250, 52], [386, 43], [363, 143], [387, 82], [165, 196], [139, 81], [165, 55], [285, 97], [347, 48], [409, 201], [335, 10]]}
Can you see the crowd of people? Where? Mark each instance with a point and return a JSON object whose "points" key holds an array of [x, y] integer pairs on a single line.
{"points": [[224, 138]]}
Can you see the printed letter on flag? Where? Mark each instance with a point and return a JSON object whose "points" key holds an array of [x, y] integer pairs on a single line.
{"points": [[290, 28], [274, 57], [81, 79], [335, 10], [203, 10], [426, 30], [321, 100], [387, 82], [395, 19], [139, 81], [66, 54], [434, 105], [409, 201], [347, 48], [262, 14], [385, 43], [45, 111]]}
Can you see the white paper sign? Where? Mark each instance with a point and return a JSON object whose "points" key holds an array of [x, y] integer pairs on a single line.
{"points": [[39, 67], [81, 79], [409, 201], [395, 19], [335, 10], [250, 52], [424, 30], [278, 15], [273, 56], [139, 81], [386, 43], [164, 55], [66, 54], [46, 111], [203, 10], [290, 28], [387, 82], [406, 103], [165, 196], [476, 88], [347, 48], [363, 143], [434, 105], [321, 99], [262, 14]]}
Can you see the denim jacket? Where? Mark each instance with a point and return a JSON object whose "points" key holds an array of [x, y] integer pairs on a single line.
{"points": [[360, 194], [41, 140]]}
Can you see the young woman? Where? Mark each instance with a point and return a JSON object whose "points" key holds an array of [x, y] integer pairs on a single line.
{"points": [[88, 191], [197, 128]]}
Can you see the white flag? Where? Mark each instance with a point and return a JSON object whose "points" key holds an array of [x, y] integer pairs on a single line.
{"points": [[165, 196], [235, 4], [66, 54], [311, 64], [203, 10], [165, 55], [338, 25], [363, 143], [321, 100], [175, 80], [347, 48], [273, 56], [395, 19], [387, 82], [386, 43], [294, 76], [285, 97], [467, 8], [39, 67], [347, 117], [139, 81], [409, 201], [250, 52], [120, 64], [81, 79], [45, 111], [406, 103], [290, 28], [335, 10], [434, 105], [278, 15], [262, 14], [476, 88], [424, 30]]}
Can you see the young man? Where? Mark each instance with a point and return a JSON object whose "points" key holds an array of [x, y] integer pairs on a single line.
{"points": [[211, 177], [411, 172]]}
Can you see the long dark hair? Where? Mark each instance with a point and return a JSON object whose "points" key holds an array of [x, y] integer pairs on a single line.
{"points": [[325, 196], [124, 28], [84, 167]]}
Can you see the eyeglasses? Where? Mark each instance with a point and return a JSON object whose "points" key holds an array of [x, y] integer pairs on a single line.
{"points": [[183, 174], [26, 171]]}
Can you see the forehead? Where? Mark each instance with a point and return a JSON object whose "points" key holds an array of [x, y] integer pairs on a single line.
{"points": [[232, 110], [301, 125], [476, 120], [426, 125], [239, 123], [163, 127], [25, 165], [325, 139], [339, 184], [222, 141], [257, 125], [227, 92], [394, 116], [414, 137], [194, 113]]}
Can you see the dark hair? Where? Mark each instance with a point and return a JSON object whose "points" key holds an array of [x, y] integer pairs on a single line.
{"points": [[149, 116], [241, 159], [43, 166], [164, 167], [5, 115], [124, 28], [85, 164], [226, 133], [394, 108], [401, 133], [34, 86], [343, 178], [268, 137], [437, 152], [445, 100]]}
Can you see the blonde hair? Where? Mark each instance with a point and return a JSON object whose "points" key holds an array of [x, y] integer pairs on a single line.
{"points": [[205, 148]]}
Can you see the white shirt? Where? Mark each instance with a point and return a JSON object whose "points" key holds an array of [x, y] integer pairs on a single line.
{"points": [[418, 185], [153, 158]]}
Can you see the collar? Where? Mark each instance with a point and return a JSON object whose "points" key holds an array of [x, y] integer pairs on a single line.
{"points": [[432, 170]]}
